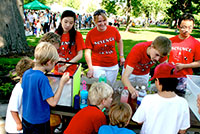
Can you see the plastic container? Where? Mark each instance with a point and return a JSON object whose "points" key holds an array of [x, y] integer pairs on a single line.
{"points": [[193, 85], [103, 78], [84, 97], [124, 95]]}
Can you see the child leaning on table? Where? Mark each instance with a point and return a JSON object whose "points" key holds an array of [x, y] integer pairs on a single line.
{"points": [[13, 122], [164, 112], [119, 115], [37, 93], [89, 119]]}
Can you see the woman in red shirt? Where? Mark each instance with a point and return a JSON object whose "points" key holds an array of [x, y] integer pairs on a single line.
{"points": [[100, 53], [72, 43]]}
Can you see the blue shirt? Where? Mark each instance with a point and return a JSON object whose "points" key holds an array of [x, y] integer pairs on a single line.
{"points": [[108, 129], [36, 89]]}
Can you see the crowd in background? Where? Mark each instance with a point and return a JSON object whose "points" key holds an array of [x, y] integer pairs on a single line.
{"points": [[42, 21]]}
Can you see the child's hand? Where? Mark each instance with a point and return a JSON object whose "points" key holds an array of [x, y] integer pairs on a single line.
{"points": [[62, 69], [19, 126], [65, 78], [62, 59]]}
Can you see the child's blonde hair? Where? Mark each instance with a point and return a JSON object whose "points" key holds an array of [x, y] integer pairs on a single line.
{"points": [[99, 91], [163, 45], [120, 114], [24, 64], [51, 37], [45, 52]]}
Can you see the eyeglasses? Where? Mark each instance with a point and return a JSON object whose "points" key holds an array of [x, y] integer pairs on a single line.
{"points": [[98, 12], [183, 28]]}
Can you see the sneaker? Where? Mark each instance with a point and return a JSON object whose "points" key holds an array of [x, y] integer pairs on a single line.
{"points": [[58, 129]]}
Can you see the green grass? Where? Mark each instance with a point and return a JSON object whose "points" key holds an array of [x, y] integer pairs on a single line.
{"points": [[32, 40]]}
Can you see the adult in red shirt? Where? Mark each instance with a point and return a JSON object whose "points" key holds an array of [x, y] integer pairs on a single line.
{"points": [[185, 53], [72, 43], [141, 58], [100, 52], [71, 48]]}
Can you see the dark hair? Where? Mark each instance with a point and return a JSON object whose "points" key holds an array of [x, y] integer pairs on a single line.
{"points": [[99, 12], [186, 16], [47, 10], [168, 84], [72, 32]]}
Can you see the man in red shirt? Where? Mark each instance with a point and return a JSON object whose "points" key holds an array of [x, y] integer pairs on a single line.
{"points": [[141, 58], [185, 48]]}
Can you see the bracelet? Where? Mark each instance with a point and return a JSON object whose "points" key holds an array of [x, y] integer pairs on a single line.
{"points": [[121, 56]]}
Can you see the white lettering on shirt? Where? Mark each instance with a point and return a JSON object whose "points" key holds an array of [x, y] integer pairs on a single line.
{"points": [[104, 41]]}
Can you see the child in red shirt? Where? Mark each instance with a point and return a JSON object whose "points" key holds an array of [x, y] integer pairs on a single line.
{"points": [[89, 119]]}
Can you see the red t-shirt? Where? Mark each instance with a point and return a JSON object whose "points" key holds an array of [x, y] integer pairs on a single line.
{"points": [[139, 60], [102, 45], [86, 121], [184, 51], [65, 52]]}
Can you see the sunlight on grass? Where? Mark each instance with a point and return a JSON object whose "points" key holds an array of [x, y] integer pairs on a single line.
{"points": [[32, 40]]}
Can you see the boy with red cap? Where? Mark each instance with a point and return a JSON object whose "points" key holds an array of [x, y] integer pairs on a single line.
{"points": [[164, 109]]}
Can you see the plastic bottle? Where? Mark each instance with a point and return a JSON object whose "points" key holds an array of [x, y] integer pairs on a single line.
{"points": [[139, 99], [76, 102], [103, 78], [84, 97], [124, 95], [149, 82]]}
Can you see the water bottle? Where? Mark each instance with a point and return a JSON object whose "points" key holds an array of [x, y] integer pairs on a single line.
{"points": [[103, 78], [76, 102], [124, 95], [139, 99], [149, 82], [84, 97]]}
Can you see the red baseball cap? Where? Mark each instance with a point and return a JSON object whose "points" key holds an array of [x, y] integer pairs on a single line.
{"points": [[166, 70]]}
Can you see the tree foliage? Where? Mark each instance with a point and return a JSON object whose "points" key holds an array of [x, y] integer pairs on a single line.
{"points": [[73, 3], [109, 6], [178, 7], [136, 7], [70, 3], [28, 1], [91, 7]]}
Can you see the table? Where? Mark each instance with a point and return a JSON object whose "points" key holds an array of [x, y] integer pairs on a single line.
{"points": [[70, 112]]}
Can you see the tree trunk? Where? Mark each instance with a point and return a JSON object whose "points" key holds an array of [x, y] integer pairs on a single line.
{"points": [[128, 12], [12, 35], [171, 20]]}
